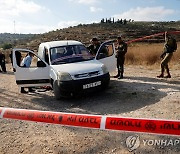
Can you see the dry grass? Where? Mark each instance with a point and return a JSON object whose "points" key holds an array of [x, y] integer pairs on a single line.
{"points": [[141, 54], [148, 54]]}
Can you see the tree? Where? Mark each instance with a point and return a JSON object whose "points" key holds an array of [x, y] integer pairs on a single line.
{"points": [[102, 21], [121, 21], [125, 22]]}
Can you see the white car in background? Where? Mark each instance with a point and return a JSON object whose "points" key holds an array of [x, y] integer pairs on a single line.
{"points": [[66, 66]]}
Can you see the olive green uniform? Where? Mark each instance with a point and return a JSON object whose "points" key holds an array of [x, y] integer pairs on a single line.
{"points": [[120, 55]]}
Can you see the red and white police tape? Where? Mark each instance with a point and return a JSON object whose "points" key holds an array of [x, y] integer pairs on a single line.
{"points": [[168, 127], [154, 35]]}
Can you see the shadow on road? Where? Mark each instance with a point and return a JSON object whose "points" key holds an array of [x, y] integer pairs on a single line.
{"points": [[121, 96]]}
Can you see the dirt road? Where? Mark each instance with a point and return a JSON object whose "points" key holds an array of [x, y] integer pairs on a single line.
{"points": [[140, 94]]}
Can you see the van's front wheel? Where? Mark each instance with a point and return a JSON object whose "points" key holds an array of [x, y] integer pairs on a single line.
{"points": [[56, 90]]}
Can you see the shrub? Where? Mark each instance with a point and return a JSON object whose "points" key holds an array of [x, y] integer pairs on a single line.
{"points": [[6, 46]]}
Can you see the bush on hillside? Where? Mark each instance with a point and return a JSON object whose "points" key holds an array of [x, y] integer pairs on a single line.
{"points": [[6, 46]]}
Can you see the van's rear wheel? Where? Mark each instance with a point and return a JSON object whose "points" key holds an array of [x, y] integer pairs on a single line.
{"points": [[56, 90]]}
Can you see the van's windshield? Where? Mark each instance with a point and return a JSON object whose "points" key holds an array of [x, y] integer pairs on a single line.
{"points": [[69, 54]]}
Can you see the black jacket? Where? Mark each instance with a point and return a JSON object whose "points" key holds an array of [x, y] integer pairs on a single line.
{"points": [[2, 58]]}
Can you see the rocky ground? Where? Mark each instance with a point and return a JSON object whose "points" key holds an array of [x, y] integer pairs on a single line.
{"points": [[140, 95]]}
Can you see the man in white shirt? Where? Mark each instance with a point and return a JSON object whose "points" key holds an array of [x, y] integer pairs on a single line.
{"points": [[26, 62]]}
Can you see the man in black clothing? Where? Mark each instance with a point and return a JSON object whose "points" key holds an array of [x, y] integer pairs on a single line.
{"points": [[120, 55], [95, 44], [2, 62]]}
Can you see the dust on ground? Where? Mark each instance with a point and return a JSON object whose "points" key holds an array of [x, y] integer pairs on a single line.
{"points": [[140, 95]]}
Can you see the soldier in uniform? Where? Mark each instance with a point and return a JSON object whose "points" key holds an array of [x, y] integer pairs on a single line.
{"points": [[120, 55], [169, 47]]}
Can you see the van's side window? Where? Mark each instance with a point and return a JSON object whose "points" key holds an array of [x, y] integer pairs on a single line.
{"points": [[21, 57], [18, 57], [105, 51]]}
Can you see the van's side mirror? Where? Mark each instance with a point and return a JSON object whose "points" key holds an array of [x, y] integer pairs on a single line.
{"points": [[41, 64]]}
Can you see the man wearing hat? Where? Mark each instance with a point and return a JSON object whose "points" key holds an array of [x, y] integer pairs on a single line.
{"points": [[120, 55]]}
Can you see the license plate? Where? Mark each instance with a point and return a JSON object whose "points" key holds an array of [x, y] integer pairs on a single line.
{"points": [[90, 85]]}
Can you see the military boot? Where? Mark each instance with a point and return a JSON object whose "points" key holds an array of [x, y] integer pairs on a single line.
{"points": [[120, 77], [168, 74], [116, 76], [162, 73]]}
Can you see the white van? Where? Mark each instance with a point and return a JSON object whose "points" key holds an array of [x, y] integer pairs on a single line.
{"points": [[66, 66]]}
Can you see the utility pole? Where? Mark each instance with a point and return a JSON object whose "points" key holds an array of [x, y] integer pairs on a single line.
{"points": [[14, 27]]}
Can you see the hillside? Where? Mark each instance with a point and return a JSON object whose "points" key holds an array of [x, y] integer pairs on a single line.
{"points": [[7, 38], [106, 31]]}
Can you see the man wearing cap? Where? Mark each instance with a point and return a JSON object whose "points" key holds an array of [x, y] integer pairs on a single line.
{"points": [[120, 55], [169, 47]]}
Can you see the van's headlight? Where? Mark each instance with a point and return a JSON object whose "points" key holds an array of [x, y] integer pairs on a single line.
{"points": [[104, 69], [64, 76]]}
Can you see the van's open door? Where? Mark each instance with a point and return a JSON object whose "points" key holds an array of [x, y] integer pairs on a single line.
{"points": [[36, 75], [106, 55]]}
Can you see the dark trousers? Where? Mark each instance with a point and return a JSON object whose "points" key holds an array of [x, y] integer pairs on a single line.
{"points": [[3, 66], [165, 61], [120, 65]]}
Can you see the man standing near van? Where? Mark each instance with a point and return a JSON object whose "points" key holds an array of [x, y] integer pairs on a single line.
{"points": [[95, 44], [2, 62], [120, 55], [26, 62]]}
